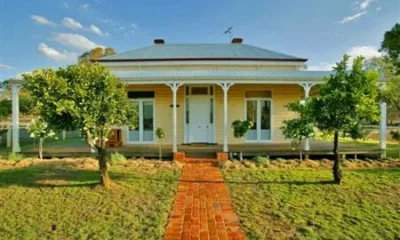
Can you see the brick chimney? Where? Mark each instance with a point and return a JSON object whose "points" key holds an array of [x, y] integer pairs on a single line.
{"points": [[159, 41], [237, 40]]}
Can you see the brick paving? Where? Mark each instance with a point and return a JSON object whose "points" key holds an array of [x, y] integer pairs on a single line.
{"points": [[202, 207]]}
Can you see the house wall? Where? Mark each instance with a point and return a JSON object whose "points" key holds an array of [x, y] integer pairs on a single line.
{"points": [[163, 110], [281, 95]]}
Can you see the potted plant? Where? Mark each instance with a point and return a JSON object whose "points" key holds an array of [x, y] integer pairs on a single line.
{"points": [[240, 129], [160, 135]]}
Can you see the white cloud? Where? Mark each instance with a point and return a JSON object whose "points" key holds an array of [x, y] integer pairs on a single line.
{"points": [[96, 30], [56, 55], [364, 4], [133, 25], [367, 52], [353, 17], [75, 40], [42, 20], [378, 9], [85, 6], [5, 66], [323, 66], [71, 23]]}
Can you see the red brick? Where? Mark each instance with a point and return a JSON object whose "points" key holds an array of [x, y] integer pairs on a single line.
{"points": [[202, 208]]}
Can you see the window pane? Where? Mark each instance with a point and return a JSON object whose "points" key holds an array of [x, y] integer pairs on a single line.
{"points": [[148, 133], [199, 90], [133, 134], [140, 94], [251, 107], [259, 94], [211, 90], [265, 120]]}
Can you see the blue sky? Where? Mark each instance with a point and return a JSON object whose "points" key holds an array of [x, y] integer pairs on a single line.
{"points": [[50, 33]]}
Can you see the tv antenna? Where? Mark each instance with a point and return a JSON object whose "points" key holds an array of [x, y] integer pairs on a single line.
{"points": [[229, 30]]}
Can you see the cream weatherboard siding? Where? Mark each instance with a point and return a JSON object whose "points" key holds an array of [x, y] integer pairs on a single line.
{"points": [[281, 95], [162, 110]]}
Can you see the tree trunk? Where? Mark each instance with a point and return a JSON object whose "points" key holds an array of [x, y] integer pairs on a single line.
{"points": [[105, 179], [356, 150], [337, 172], [41, 148]]}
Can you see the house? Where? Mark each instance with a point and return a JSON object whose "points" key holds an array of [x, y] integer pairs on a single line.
{"points": [[195, 91]]}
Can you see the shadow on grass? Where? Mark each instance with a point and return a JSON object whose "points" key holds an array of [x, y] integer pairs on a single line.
{"points": [[41, 177], [297, 183], [50, 176]]}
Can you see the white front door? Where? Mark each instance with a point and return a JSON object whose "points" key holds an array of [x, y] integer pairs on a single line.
{"points": [[199, 119]]}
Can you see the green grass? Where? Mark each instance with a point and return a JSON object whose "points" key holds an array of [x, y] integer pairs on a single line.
{"points": [[302, 204], [46, 202]]}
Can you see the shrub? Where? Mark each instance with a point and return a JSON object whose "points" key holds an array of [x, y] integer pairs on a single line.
{"points": [[260, 160], [116, 158], [15, 157]]}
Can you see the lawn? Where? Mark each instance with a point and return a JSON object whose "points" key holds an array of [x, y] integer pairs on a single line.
{"points": [[62, 201], [302, 204]]}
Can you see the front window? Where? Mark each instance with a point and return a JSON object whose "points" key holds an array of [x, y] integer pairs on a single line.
{"points": [[143, 103], [259, 112]]}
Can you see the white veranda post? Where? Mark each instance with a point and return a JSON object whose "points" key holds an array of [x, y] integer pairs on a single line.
{"points": [[307, 87], [225, 87], [15, 118], [382, 128], [174, 87]]}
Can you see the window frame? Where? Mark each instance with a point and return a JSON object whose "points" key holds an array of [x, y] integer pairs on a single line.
{"points": [[258, 129], [140, 121]]}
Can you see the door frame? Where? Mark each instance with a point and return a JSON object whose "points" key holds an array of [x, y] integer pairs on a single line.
{"points": [[258, 99], [186, 126]]}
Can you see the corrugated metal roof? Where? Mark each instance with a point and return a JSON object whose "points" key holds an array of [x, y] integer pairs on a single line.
{"points": [[155, 75], [200, 51]]}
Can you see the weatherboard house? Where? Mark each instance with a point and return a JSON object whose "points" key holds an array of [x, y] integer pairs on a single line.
{"points": [[195, 91]]}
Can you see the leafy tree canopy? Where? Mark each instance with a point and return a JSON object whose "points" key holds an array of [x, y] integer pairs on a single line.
{"points": [[86, 96], [96, 53], [391, 47]]}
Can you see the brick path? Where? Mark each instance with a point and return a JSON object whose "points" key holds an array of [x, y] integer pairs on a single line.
{"points": [[202, 207]]}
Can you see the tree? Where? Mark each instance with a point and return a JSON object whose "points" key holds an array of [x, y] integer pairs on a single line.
{"points": [[300, 128], [346, 99], [96, 53], [160, 135], [391, 47], [40, 129], [86, 96], [240, 129]]}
